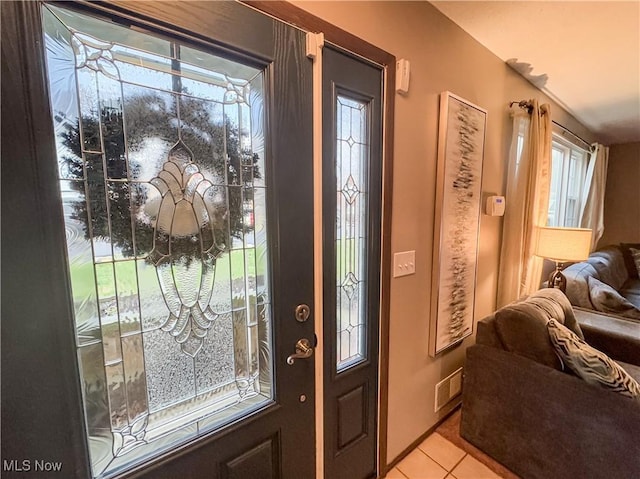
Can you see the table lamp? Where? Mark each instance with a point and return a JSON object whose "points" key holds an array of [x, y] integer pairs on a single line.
{"points": [[561, 245]]}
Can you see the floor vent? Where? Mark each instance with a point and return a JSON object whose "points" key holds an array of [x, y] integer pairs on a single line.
{"points": [[447, 389]]}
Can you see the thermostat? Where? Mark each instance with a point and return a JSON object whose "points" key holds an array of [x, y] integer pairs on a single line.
{"points": [[495, 206]]}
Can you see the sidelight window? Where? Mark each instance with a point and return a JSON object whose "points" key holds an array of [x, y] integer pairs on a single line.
{"points": [[352, 160]]}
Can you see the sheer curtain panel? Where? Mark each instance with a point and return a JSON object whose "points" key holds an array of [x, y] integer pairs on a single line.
{"points": [[527, 202], [592, 214]]}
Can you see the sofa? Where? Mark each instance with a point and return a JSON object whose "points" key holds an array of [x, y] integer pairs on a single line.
{"points": [[607, 282], [541, 421]]}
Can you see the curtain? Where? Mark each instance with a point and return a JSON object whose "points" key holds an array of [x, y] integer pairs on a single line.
{"points": [[527, 202], [592, 212]]}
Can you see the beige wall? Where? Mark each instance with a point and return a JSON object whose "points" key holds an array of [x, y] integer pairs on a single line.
{"points": [[443, 57], [622, 196]]}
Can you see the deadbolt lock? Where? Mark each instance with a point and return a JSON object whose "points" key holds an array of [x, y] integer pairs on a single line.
{"points": [[302, 313]]}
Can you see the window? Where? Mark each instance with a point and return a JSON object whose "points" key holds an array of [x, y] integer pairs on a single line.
{"points": [[351, 232], [161, 161], [568, 172]]}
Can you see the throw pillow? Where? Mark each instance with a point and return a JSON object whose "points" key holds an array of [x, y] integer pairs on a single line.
{"points": [[607, 300], [635, 254], [588, 363], [628, 260]]}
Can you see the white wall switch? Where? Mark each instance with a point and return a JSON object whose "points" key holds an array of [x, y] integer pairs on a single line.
{"points": [[404, 263]]}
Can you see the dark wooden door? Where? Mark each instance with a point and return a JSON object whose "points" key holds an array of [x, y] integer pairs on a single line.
{"points": [[156, 239], [352, 179]]}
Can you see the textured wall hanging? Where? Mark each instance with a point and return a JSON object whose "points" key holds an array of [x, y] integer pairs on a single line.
{"points": [[457, 220]]}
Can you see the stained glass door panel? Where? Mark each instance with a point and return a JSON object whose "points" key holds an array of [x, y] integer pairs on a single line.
{"points": [[161, 156], [352, 168]]}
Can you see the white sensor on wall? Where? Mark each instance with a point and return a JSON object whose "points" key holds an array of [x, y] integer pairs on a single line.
{"points": [[403, 71], [495, 206]]}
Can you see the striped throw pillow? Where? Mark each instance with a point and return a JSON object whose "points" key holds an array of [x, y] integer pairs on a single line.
{"points": [[635, 254], [588, 363]]}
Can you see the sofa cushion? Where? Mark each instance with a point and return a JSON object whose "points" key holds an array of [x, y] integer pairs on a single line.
{"points": [[556, 304], [486, 333], [577, 288], [606, 272], [606, 299], [628, 259], [631, 291], [617, 337], [635, 254], [522, 326], [588, 363], [610, 265]]}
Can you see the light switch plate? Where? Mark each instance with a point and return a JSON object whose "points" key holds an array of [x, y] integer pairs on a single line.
{"points": [[404, 263]]}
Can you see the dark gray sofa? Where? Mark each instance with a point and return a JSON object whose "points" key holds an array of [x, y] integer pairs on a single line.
{"points": [[609, 265], [545, 423]]}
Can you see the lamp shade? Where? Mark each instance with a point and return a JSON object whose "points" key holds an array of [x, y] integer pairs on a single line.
{"points": [[562, 244]]}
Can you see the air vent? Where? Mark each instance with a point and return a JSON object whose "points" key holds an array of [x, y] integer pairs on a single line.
{"points": [[447, 389]]}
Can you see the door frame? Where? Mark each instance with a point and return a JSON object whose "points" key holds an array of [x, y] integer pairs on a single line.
{"points": [[347, 41]]}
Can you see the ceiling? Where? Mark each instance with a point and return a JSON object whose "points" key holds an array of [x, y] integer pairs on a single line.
{"points": [[583, 54]]}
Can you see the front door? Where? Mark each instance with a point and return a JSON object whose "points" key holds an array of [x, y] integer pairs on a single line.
{"points": [[157, 242]]}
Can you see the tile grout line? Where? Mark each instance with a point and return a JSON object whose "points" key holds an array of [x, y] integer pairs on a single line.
{"points": [[443, 467], [448, 471], [396, 467], [458, 463], [403, 474]]}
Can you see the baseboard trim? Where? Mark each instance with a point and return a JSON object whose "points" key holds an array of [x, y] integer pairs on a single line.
{"points": [[418, 441]]}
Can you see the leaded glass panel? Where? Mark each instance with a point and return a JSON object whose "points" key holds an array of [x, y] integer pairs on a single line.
{"points": [[161, 166], [352, 160]]}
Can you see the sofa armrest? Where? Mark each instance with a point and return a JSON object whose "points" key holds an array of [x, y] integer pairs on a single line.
{"points": [[618, 338], [543, 423]]}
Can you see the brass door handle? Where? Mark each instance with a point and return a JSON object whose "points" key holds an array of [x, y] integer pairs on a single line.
{"points": [[304, 350]]}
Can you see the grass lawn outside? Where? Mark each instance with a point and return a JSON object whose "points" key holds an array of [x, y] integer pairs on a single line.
{"points": [[82, 274]]}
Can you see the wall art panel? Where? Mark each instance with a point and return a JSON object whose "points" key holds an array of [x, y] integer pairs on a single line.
{"points": [[457, 220]]}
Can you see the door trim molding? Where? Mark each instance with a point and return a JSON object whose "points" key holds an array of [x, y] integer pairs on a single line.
{"points": [[343, 39], [33, 270]]}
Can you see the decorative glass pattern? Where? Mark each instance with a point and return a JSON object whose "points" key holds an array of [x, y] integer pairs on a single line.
{"points": [[352, 160], [161, 161]]}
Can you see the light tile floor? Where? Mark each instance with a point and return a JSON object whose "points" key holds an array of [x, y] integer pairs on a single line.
{"points": [[438, 458]]}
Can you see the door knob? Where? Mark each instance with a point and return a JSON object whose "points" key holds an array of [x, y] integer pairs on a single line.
{"points": [[304, 349]]}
